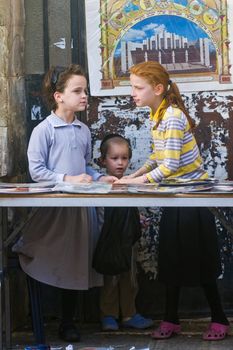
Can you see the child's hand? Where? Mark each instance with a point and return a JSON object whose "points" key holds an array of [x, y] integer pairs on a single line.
{"points": [[78, 178], [131, 176], [128, 180], [108, 179]]}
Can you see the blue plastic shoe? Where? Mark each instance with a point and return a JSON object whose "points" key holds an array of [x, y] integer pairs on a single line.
{"points": [[138, 322], [109, 324]]}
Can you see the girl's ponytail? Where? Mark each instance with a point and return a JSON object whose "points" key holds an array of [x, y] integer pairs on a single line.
{"points": [[173, 98]]}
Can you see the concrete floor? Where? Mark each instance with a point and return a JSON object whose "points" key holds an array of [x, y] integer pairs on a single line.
{"points": [[94, 339]]}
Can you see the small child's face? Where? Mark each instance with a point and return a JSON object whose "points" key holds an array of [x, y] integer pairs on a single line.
{"points": [[117, 159]]}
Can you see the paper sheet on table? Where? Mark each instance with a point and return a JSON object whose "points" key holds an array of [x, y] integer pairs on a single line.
{"points": [[92, 187]]}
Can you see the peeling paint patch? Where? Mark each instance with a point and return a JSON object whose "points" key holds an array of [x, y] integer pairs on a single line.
{"points": [[216, 156], [36, 113], [147, 255], [211, 111]]}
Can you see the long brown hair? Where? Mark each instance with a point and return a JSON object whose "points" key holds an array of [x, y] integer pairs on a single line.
{"points": [[155, 74], [56, 79]]}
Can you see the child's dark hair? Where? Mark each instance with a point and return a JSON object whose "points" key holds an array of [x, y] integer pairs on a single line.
{"points": [[56, 79], [113, 138]]}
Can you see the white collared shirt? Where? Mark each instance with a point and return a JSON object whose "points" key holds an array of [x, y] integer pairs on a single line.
{"points": [[57, 148]]}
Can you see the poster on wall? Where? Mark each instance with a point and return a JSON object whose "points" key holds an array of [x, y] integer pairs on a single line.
{"points": [[192, 39]]}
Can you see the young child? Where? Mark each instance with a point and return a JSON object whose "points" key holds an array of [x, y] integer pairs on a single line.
{"points": [[57, 244], [188, 246], [117, 298]]}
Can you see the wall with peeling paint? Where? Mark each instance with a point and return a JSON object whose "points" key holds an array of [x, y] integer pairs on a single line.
{"points": [[212, 112]]}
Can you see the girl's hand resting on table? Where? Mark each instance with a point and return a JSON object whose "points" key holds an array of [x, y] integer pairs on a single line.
{"points": [[108, 179], [126, 177], [78, 178], [138, 176], [130, 180]]}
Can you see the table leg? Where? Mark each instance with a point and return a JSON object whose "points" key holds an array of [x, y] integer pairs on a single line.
{"points": [[5, 312], [1, 277], [7, 299], [1, 314]]}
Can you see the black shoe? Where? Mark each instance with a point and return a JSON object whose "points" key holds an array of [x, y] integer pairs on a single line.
{"points": [[69, 332]]}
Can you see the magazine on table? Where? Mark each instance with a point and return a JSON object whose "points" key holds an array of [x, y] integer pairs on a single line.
{"points": [[26, 188], [167, 186]]}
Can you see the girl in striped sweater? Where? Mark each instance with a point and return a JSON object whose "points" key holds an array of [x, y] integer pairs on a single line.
{"points": [[188, 245]]}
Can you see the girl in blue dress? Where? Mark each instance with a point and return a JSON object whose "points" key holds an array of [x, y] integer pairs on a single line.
{"points": [[57, 244]]}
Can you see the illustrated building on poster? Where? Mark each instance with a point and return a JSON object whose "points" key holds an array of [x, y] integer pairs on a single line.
{"points": [[171, 50]]}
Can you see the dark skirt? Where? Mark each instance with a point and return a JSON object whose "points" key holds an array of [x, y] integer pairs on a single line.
{"points": [[188, 247]]}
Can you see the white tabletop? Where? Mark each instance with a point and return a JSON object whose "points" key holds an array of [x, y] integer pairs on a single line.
{"points": [[117, 200]]}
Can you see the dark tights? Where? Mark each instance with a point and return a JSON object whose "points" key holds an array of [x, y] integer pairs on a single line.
{"points": [[212, 295], [69, 298], [172, 304], [214, 301]]}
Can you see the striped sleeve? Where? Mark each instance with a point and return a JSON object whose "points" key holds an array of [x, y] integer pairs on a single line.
{"points": [[151, 163], [170, 149]]}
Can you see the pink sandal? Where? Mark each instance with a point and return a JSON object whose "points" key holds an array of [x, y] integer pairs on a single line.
{"points": [[216, 331], [166, 330]]}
